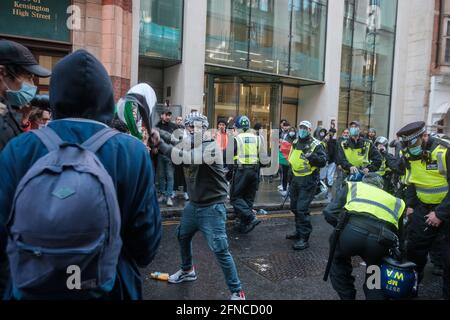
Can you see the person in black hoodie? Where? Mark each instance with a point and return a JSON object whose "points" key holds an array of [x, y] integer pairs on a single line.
{"points": [[207, 190], [82, 101]]}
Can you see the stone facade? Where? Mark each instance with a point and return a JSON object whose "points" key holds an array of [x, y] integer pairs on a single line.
{"points": [[106, 32]]}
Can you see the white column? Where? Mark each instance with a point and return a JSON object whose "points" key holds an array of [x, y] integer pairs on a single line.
{"points": [[321, 102], [186, 80], [412, 63]]}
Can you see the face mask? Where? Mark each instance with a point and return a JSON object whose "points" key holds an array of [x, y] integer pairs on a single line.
{"points": [[322, 134], [292, 134], [302, 133], [354, 132], [23, 96], [416, 151]]}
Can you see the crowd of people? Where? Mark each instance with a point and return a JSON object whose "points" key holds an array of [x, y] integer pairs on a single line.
{"points": [[94, 161]]}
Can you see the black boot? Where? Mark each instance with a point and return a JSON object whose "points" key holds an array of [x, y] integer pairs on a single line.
{"points": [[250, 226], [301, 244], [293, 236]]}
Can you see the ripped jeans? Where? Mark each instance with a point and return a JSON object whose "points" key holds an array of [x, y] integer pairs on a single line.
{"points": [[211, 222]]}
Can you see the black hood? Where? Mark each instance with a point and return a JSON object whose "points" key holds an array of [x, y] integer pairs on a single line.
{"points": [[318, 131], [80, 87]]}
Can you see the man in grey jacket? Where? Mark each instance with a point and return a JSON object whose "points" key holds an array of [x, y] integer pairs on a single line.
{"points": [[207, 190]]}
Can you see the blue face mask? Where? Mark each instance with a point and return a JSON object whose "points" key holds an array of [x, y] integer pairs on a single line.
{"points": [[416, 151], [23, 96], [302, 133], [354, 132]]}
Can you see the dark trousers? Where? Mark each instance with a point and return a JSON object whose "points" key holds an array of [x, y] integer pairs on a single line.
{"points": [[4, 274], [421, 238], [284, 176], [302, 191], [243, 192], [356, 241]]}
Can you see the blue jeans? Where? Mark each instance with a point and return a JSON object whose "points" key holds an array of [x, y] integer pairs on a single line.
{"points": [[211, 222], [165, 172]]}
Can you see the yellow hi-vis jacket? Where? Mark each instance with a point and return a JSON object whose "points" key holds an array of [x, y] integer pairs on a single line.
{"points": [[430, 179], [364, 198], [247, 149], [299, 164], [383, 169], [357, 157]]}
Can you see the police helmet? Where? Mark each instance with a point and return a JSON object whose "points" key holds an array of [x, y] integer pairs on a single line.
{"points": [[242, 122], [383, 141], [399, 280]]}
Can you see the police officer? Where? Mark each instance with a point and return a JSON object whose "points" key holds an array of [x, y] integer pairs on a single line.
{"points": [[246, 174], [306, 157], [357, 154], [388, 164], [426, 162], [370, 230]]}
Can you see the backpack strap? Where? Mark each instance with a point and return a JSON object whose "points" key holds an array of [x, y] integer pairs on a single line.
{"points": [[95, 142], [49, 138]]}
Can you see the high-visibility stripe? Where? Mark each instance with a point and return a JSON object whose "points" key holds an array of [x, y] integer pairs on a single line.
{"points": [[376, 204], [441, 165], [432, 190], [354, 198]]}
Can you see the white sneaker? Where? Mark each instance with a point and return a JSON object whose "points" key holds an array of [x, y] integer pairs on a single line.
{"points": [[238, 296], [280, 187], [182, 276], [283, 193], [169, 202], [186, 196]]}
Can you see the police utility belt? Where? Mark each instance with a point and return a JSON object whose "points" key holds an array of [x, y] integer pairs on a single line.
{"points": [[385, 233], [247, 166]]}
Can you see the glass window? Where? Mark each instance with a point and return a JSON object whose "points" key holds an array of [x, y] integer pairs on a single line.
{"points": [[308, 40], [160, 34], [378, 112], [367, 63], [384, 62], [269, 36], [256, 35], [227, 33]]}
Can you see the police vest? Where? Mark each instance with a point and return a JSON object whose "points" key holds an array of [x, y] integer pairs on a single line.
{"points": [[247, 149], [383, 169], [357, 157], [430, 179], [299, 164], [364, 198]]}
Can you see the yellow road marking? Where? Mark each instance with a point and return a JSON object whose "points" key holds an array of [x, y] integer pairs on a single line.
{"points": [[261, 217]]}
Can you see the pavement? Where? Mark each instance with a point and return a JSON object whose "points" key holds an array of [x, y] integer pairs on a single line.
{"points": [[267, 198], [268, 267]]}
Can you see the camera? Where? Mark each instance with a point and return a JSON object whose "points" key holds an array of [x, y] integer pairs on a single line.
{"points": [[41, 102]]}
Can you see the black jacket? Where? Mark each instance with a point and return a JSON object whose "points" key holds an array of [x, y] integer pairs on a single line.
{"points": [[332, 150], [9, 123], [374, 155]]}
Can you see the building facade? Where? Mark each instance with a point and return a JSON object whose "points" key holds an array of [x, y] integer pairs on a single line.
{"points": [[321, 60], [338, 60]]}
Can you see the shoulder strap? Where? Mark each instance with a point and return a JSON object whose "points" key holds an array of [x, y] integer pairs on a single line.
{"points": [[49, 138], [95, 142]]}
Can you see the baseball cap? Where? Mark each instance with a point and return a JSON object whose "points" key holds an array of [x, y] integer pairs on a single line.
{"points": [[13, 53]]}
